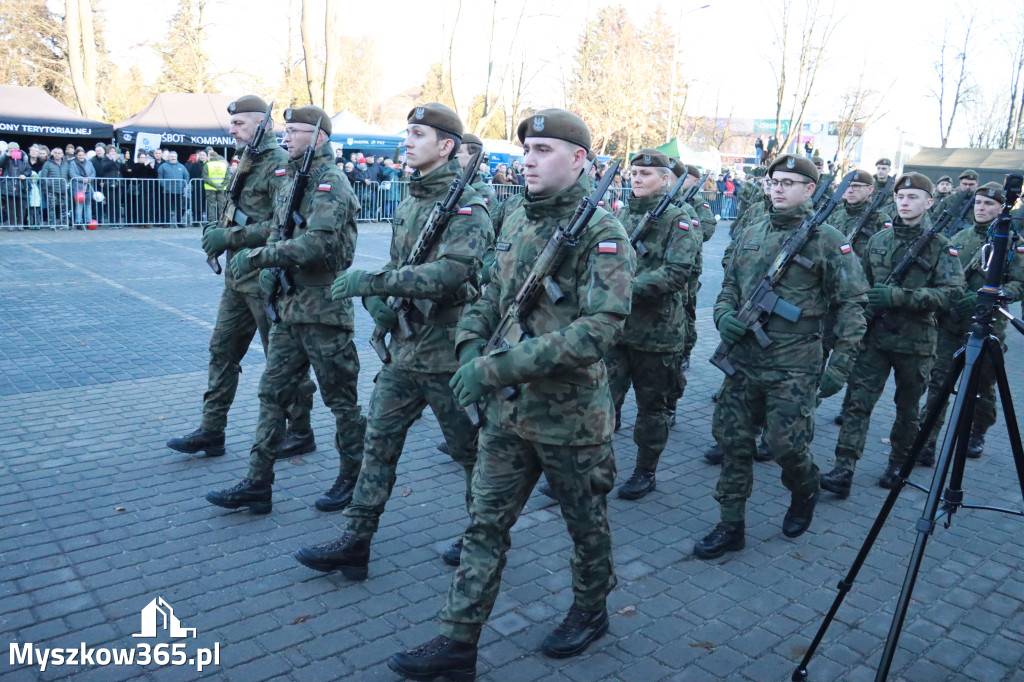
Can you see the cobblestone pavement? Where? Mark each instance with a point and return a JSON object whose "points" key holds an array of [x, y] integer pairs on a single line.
{"points": [[103, 354]]}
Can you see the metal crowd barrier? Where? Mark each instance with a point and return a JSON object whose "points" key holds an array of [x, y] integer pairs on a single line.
{"points": [[33, 203]]}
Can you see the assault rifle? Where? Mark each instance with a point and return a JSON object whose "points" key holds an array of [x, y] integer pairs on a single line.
{"points": [[435, 225], [511, 329], [285, 284], [763, 301], [233, 215], [960, 213], [824, 180], [652, 216], [692, 192], [876, 201]]}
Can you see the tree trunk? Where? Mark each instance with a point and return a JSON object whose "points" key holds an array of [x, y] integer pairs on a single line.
{"points": [[332, 60], [308, 52], [85, 95]]}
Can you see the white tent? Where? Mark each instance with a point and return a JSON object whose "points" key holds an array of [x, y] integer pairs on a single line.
{"points": [[345, 122], [502, 147]]}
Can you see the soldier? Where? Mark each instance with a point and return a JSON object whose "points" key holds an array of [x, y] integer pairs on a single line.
{"points": [[241, 313], [824, 178], [747, 194], [421, 365], [560, 423], [760, 203], [954, 202], [471, 144], [943, 186], [702, 210], [649, 353], [777, 386], [313, 329], [850, 210], [901, 333], [883, 167], [955, 323]]}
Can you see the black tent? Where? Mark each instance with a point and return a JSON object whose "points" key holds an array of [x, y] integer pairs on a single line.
{"points": [[30, 112], [991, 164], [183, 120]]}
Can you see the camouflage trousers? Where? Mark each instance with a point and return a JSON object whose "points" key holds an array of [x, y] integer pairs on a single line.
{"points": [[985, 407], [783, 402], [658, 384], [399, 396], [864, 388], [293, 348], [507, 468], [690, 308], [239, 317]]}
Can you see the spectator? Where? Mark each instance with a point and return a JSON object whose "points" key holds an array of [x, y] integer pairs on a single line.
{"points": [[389, 188], [141, 197], [500, 178], [773, 145], [339, 156], [195, 167], [54, 179], [81, 173], [759, 149], [174, 179], [106, 169], [14, 169], [808, 148], [350, 173], [517, 174], [710, 188], [215, 185], [37, 155], [69, 152], [158, 158]]}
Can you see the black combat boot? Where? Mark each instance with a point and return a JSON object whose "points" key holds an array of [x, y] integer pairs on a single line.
{"points": [[714, 455], [338, 497], [976, 445], [443, 447], [296, 443], [453, 555], [927, 456], [618, 418], [255, 495], [726, 537], [576, 632], [838, 419], [210, 442], [440, 656], [763, 454], [838, 481], [347, 554], [799, 515], [890, 477], [638, 485]]}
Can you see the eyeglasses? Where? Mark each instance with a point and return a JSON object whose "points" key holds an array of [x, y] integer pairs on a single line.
{"points": [[787, 183]]}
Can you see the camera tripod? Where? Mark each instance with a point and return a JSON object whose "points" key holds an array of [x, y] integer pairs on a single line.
{"points": [[943, 501]]}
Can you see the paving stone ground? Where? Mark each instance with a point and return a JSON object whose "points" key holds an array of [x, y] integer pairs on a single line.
{"points": [[103, 355]]}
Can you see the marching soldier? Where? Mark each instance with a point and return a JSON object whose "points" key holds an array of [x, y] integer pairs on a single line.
{"points": [[954, 202], [777, 387], [471, 144], [314, 330], [850, 210], [420, 366], [943, 186], [883, 167], [560, 423], [241, 313], [824, 178], [706, 218], [901, 334]]}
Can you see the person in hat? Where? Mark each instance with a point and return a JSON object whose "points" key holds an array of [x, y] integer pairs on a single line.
{"points": [[421, 365], [649, 353], [826, 178], [955, 323], [958, 203], [560, 423], [313, 329], [759, 202], [240, 313], [850, 211], [777, 388], [471, 144], [883, 169], [901, 333], [943, 186]]}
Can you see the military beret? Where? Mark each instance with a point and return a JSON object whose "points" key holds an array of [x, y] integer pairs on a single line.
{"points": [[914, 181], [758, 171], [248, 104], [944, 178], [864, 177], [470, 138], [968, 175], [437, 115], [651, 158], [817, 161], [309, 114], [676, 166], [883, 162], [591, 156], [991, 190], [557, 123], [794, 164]]}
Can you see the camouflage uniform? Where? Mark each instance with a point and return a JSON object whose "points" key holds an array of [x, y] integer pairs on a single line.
{"points": [[828, 179], [486, 193], [649, 352], [847, 215], [313, 329], [954, 203], [776, 387], [241, 313], [936, 210], [561, 422], [748, 195], [700, 210], [908, 352], [888, 204], [421, 366], [758, 210]]}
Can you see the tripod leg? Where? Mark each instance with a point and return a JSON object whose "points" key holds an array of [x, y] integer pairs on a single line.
{"points": [[1009, 415]]}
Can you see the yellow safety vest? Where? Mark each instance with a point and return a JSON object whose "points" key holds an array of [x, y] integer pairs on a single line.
{"points": [[215, 171]]}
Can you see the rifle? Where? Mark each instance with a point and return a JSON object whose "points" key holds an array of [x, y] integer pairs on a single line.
{"points": [[820, 189], [763, 301], [960, 213], [232, 214], [511, 329], [285, 284], [652, 216], [692, 192], [435, 225], [876, 201]]}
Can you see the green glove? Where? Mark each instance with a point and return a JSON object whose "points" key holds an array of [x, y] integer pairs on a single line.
{"points": [[267, 281], [467, 383], [215, 241], [965, 306], [209, 225], [241, 265], [470, 350], [731, 329], [382, 314], [352, 283], [884, 296], [831, 381]]}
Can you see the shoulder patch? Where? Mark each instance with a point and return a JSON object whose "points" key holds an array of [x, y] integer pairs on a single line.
{"points": [[1020, 249], [280, 171], [694, 222], [880, 252], [707, 205], [466, 210], [683, 225], [953, 251], [887, 223], [324, 187], [845, 248], [751, 247], [608, 247], [502, 246]]}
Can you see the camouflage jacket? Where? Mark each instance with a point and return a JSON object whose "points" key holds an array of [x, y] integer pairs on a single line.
{"points": [[448, 277], [954, 203], [758, 209], [936, 210], [564, 397], [746, 196], [486, 193], [888, 204], [256, 201], [659, 286], [830, 188], [321, 248], [702, 209], [926, 291], [845, 219], [835, 282]]}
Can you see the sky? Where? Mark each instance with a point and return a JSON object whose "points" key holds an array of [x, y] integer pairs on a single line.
{"points": [[726, 47]]}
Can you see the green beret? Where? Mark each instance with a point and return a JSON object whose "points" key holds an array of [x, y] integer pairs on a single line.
{"points": [[437, 115], [791, 163], [817, 161], [883, 162], [470, 138], [557, 123], [914, 181], [651, 158], [758, 172], [991, 190], [944, 178], [676, 166], [248, 104], [864, 177], [309, 114], [693, 170], [968, 175]]}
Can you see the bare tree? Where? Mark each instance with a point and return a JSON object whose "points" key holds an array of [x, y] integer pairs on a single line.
{"points": [[34, 52], [81, 53], [332, 60], [479, 123], [857, 108], [1015, 111], [186, 66], [953, 88], [313, 72]]}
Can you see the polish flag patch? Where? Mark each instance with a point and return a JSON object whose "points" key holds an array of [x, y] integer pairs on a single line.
{"points": [[684, 225], [707, 205], [608, 247], [324, 187], [695, 222], [1020, 249], [280, 171], [845, 248], [886, 224], [953, 252], [466, 210], [601, 203]]}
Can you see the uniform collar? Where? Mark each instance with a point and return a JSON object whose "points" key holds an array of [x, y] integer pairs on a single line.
{"points": [[435, 182], [559, 204]]}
